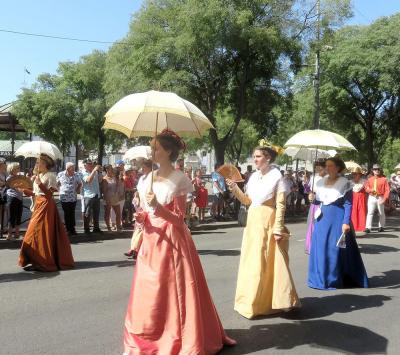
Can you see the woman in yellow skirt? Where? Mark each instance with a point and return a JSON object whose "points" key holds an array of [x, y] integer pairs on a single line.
{"points": [[265, 285]]}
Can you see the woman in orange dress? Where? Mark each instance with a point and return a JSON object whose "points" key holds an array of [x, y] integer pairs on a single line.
{"points": [[46, 246], [170, 310]]}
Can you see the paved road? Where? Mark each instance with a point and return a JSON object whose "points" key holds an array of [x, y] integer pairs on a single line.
{"points": [[82, 311]]}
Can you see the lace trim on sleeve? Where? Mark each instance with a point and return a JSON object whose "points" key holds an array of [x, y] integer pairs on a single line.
{"points": [[183, 186]]}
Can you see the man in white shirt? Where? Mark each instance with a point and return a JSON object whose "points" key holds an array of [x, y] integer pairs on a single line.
{"points": [[69, 184]]}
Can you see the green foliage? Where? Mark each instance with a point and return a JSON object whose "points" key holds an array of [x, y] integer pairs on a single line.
{"points": [[68, 108], [359, 88], [361, 82], [48, 111], [218, 54], [391, 155]]}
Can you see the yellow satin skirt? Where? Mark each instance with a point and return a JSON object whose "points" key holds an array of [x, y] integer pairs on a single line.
{"points": [[265, 284]]}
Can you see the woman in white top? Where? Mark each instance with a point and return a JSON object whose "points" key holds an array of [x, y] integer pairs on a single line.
{"points": [[265, 285], [335, 261], [46, 246]]}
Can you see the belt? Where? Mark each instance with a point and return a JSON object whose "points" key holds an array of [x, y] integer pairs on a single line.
{"points": [[376, 196]]}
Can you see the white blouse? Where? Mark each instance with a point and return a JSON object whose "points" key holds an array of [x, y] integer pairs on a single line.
{"points": [[48, 179], [357, 187], [314, 181], [177, 184], [328, 194], [261, 188]]}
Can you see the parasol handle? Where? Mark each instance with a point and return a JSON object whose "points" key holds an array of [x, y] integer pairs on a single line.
{"points": [[152, 165], [313, 180]]}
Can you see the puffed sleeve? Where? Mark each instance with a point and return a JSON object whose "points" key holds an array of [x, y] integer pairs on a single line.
{"points": [[50, 181], [279, 225], [184, 186], [48, 184], [241, 196], [177, 215]]}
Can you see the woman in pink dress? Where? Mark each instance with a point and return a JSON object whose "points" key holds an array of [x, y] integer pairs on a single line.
{"points": [[170, 309]]}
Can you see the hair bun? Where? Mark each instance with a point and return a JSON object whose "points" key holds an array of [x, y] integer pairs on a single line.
{"points": [[179, 141]]}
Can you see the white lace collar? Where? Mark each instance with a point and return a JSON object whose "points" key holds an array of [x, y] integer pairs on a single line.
{"points": [[331, 193], [261, 188]]}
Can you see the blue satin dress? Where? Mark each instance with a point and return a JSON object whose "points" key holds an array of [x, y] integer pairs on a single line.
{"points": [[331, 267]]}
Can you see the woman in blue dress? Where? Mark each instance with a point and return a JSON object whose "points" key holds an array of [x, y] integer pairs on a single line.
{"points": [[333, 264]]}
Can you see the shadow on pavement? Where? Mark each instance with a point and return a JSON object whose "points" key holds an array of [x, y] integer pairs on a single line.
{"points": [[79, 265], [214, 226], [376, 249], [76, 239], [221, 252], [323, 334], [197, 232], [319, 307], [390, 279], [377, 235], [27, 275], [99, 237]]}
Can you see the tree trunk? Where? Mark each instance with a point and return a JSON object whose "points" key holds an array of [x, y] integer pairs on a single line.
{"points": [[370, 142], [219, 154], [76, 155], [239, 151], [101, 144], [219, 147]]}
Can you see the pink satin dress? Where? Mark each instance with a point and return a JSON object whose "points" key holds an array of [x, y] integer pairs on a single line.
{"points": [[170, 309]]}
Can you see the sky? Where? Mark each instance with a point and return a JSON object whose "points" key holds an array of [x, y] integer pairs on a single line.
{"points": [[99, 20]]}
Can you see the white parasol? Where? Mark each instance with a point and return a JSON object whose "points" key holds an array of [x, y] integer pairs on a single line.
{"points": [[35, 148], [138, 152]]}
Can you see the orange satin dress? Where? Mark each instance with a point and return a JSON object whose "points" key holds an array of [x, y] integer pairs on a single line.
{"points": [[46, 245], [170, 309]]}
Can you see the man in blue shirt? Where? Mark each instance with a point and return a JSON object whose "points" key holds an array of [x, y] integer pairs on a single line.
{"points": [[91, 179]]}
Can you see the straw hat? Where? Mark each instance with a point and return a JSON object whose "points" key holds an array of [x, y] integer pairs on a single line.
{"points": [[356, 170]]}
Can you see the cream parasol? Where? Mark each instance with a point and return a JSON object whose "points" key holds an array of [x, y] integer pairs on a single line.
{"points": [[149, 113], [320, 139], [35, 148], [138, 152], [308, 154]]}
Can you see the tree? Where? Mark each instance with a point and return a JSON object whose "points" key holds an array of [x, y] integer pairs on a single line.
{"points": [[47, 110], [361, 82], [218, 54], [390, 155], [69, 108], [84, 81]]}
